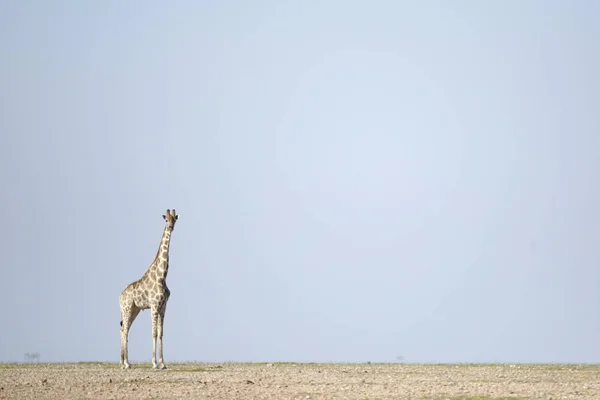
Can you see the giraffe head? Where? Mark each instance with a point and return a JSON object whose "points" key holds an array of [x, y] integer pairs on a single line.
{"points": [[171, 218]]}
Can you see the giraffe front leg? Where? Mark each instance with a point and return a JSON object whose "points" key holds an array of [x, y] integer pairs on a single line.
{"points": [[155, 321], [161, 321]]}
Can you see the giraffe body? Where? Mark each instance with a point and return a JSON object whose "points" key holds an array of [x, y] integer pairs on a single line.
{"points": [[149, 292]]}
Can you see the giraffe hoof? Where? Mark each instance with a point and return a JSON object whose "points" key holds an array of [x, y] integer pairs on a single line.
{"points": [[163, 366]]}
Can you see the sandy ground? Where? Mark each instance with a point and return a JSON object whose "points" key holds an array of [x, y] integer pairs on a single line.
{"points": [[299, 381]]}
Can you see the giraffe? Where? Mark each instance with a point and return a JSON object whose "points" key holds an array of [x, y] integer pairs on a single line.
{"points": [[149, 292]]}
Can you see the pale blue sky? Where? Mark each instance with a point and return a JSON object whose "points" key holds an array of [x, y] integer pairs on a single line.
{"points": [[355, 180]]}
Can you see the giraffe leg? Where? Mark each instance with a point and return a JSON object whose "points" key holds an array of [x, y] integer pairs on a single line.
{"points": [[122, 345], [129, 314], [161, 321], [155, 321]]}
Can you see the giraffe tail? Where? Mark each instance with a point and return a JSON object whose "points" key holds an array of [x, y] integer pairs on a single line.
{"points": [[121, 323]]}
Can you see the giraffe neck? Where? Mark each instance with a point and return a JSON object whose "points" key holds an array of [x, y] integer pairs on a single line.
{"points": [[161, 263]]}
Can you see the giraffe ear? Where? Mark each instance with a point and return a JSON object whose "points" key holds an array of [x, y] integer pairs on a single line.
{"points": [[176, 217], [165, 217]]}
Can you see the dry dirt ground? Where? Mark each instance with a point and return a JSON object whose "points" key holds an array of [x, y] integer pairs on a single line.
{"points": [[299, 381]]}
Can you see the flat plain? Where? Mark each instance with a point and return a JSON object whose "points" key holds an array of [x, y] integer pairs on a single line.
{"points": [[300, 381]]}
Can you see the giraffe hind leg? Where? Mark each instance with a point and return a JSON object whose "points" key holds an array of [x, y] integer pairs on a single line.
{"points": [[129, 314]]}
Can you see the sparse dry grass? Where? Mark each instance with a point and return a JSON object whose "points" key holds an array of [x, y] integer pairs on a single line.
{"points": [[101, 380]]}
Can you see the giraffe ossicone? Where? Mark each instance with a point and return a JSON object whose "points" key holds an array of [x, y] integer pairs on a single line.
{"points": [[149, 292]]}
